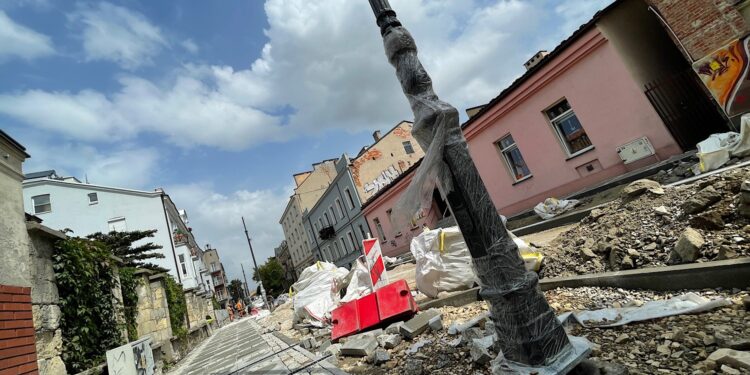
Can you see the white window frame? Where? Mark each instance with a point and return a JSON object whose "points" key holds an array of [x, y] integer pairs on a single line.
{"points": [[352, 240], [564, 116], [333, 213], [405, 143], [114, 220], [336, 250], [379, 229], [505, 157], [49, 203], [341, 208], [350, 198], [96, 198], [343, 245]]}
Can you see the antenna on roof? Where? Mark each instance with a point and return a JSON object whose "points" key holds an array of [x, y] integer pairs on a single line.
{"points": [[86, 178]]}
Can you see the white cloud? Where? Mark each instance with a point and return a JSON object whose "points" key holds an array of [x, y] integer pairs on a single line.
{"points": [[323, 63], [186, 110], [21, 41], [217, 219], [117, 34], [126, 166], [189, 45]]}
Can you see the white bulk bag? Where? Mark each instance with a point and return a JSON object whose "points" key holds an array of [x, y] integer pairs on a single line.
{"points": [[315, 291], [443, 261]]}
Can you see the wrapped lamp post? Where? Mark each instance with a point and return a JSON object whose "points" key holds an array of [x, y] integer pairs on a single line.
{"points": [[529, 335]]}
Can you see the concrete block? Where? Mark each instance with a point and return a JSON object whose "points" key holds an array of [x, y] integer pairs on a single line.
{"points": [[418, 324], [360, 347], [394, 328], [334, 350], [380, 356], [389, 341], [436, 323], [479, 355]]}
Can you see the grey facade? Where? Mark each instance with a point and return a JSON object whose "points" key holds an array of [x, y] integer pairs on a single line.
{"points": [[336, 224]]}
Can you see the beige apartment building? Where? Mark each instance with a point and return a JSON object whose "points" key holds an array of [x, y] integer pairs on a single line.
{"points": [[383, 161], [310, 186]]}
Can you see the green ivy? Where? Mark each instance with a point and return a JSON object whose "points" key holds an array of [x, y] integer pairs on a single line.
{"points": [[215, 303], [177, 307], [128, 284], [85, 281]]}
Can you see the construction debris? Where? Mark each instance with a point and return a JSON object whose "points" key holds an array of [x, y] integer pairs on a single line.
{"points": [[695, 222]]}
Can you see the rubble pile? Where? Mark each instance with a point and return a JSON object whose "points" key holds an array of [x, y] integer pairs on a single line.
{"points": [[440, 341], [652, 225]]}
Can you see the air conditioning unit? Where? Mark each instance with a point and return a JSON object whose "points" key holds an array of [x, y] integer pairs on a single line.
{"points": [[635, 150]]}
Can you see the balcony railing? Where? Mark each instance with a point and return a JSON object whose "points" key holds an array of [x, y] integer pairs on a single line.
{"points": [[327, 233]]}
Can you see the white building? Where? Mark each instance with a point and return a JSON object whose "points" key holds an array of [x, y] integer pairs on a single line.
{"points": [[67, 203]]}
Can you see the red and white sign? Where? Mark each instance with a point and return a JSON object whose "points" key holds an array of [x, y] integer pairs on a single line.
{"points": [[374, 260]]}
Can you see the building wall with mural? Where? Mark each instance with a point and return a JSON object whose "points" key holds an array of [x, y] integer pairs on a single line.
{"points": [[725, 74], [385, 160]]}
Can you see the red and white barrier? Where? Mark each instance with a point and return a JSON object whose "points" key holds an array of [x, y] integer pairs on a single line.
{"points": [[374, 260]]}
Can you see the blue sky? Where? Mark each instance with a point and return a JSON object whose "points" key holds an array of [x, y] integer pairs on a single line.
{"points": [[220, 102]]}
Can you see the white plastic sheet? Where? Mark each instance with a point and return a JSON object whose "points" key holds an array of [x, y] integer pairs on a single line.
{"points": [[689, 303], [359, 284], [717, 149], [552, 207], [316, 295], [443, 261]]}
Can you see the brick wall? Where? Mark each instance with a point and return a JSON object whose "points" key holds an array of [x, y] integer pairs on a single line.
{"points": [[17, 346], [702, 26]]}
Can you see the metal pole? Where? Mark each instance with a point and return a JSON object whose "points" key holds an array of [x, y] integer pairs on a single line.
{"points": [[255, 264], [247, 291], [527, 329]]}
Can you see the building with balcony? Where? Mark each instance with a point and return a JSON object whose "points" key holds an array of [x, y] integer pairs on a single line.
{"points": [[217, 281], [336, 225], [67, 203]]}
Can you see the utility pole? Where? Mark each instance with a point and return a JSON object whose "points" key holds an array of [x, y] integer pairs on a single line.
{"points": [[528, 332], [247, 291], [255, 264]]}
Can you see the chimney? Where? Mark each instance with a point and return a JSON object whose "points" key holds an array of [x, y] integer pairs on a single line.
{"points": [[474, 110], [376, 135], [535, 59]]}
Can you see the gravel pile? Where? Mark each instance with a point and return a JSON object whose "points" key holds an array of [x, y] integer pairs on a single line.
{"points": [[652, 226], [675, 345]]}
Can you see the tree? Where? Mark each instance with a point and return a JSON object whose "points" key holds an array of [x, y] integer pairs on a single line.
{"points": [[121, 244], [272, 276], [236, 289]]}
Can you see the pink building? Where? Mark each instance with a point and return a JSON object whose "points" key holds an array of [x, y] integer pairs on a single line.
{"points": [[581, 114], [377, 211]]}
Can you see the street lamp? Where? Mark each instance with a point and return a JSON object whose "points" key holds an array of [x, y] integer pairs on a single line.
{"points": [[528, 332]]}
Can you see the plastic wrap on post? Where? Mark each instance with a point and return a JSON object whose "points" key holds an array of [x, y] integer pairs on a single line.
{"points": [[527, 328]]}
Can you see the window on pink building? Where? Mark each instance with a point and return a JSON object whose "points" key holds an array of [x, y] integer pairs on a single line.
{"points": [[568, 128], [513, 158]]}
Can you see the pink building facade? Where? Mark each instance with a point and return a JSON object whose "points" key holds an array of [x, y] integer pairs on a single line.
{"points": [[377, 211], [558, 129]]}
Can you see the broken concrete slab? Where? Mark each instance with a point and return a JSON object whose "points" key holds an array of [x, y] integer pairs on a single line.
{"points": [[359, 347], [394, 328], [701, 200], [479, 355], [418, 324], [389, 341], [457, 328], [734, 358], [688, 246], [639, 187], [334, 350], [380, 356]]}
